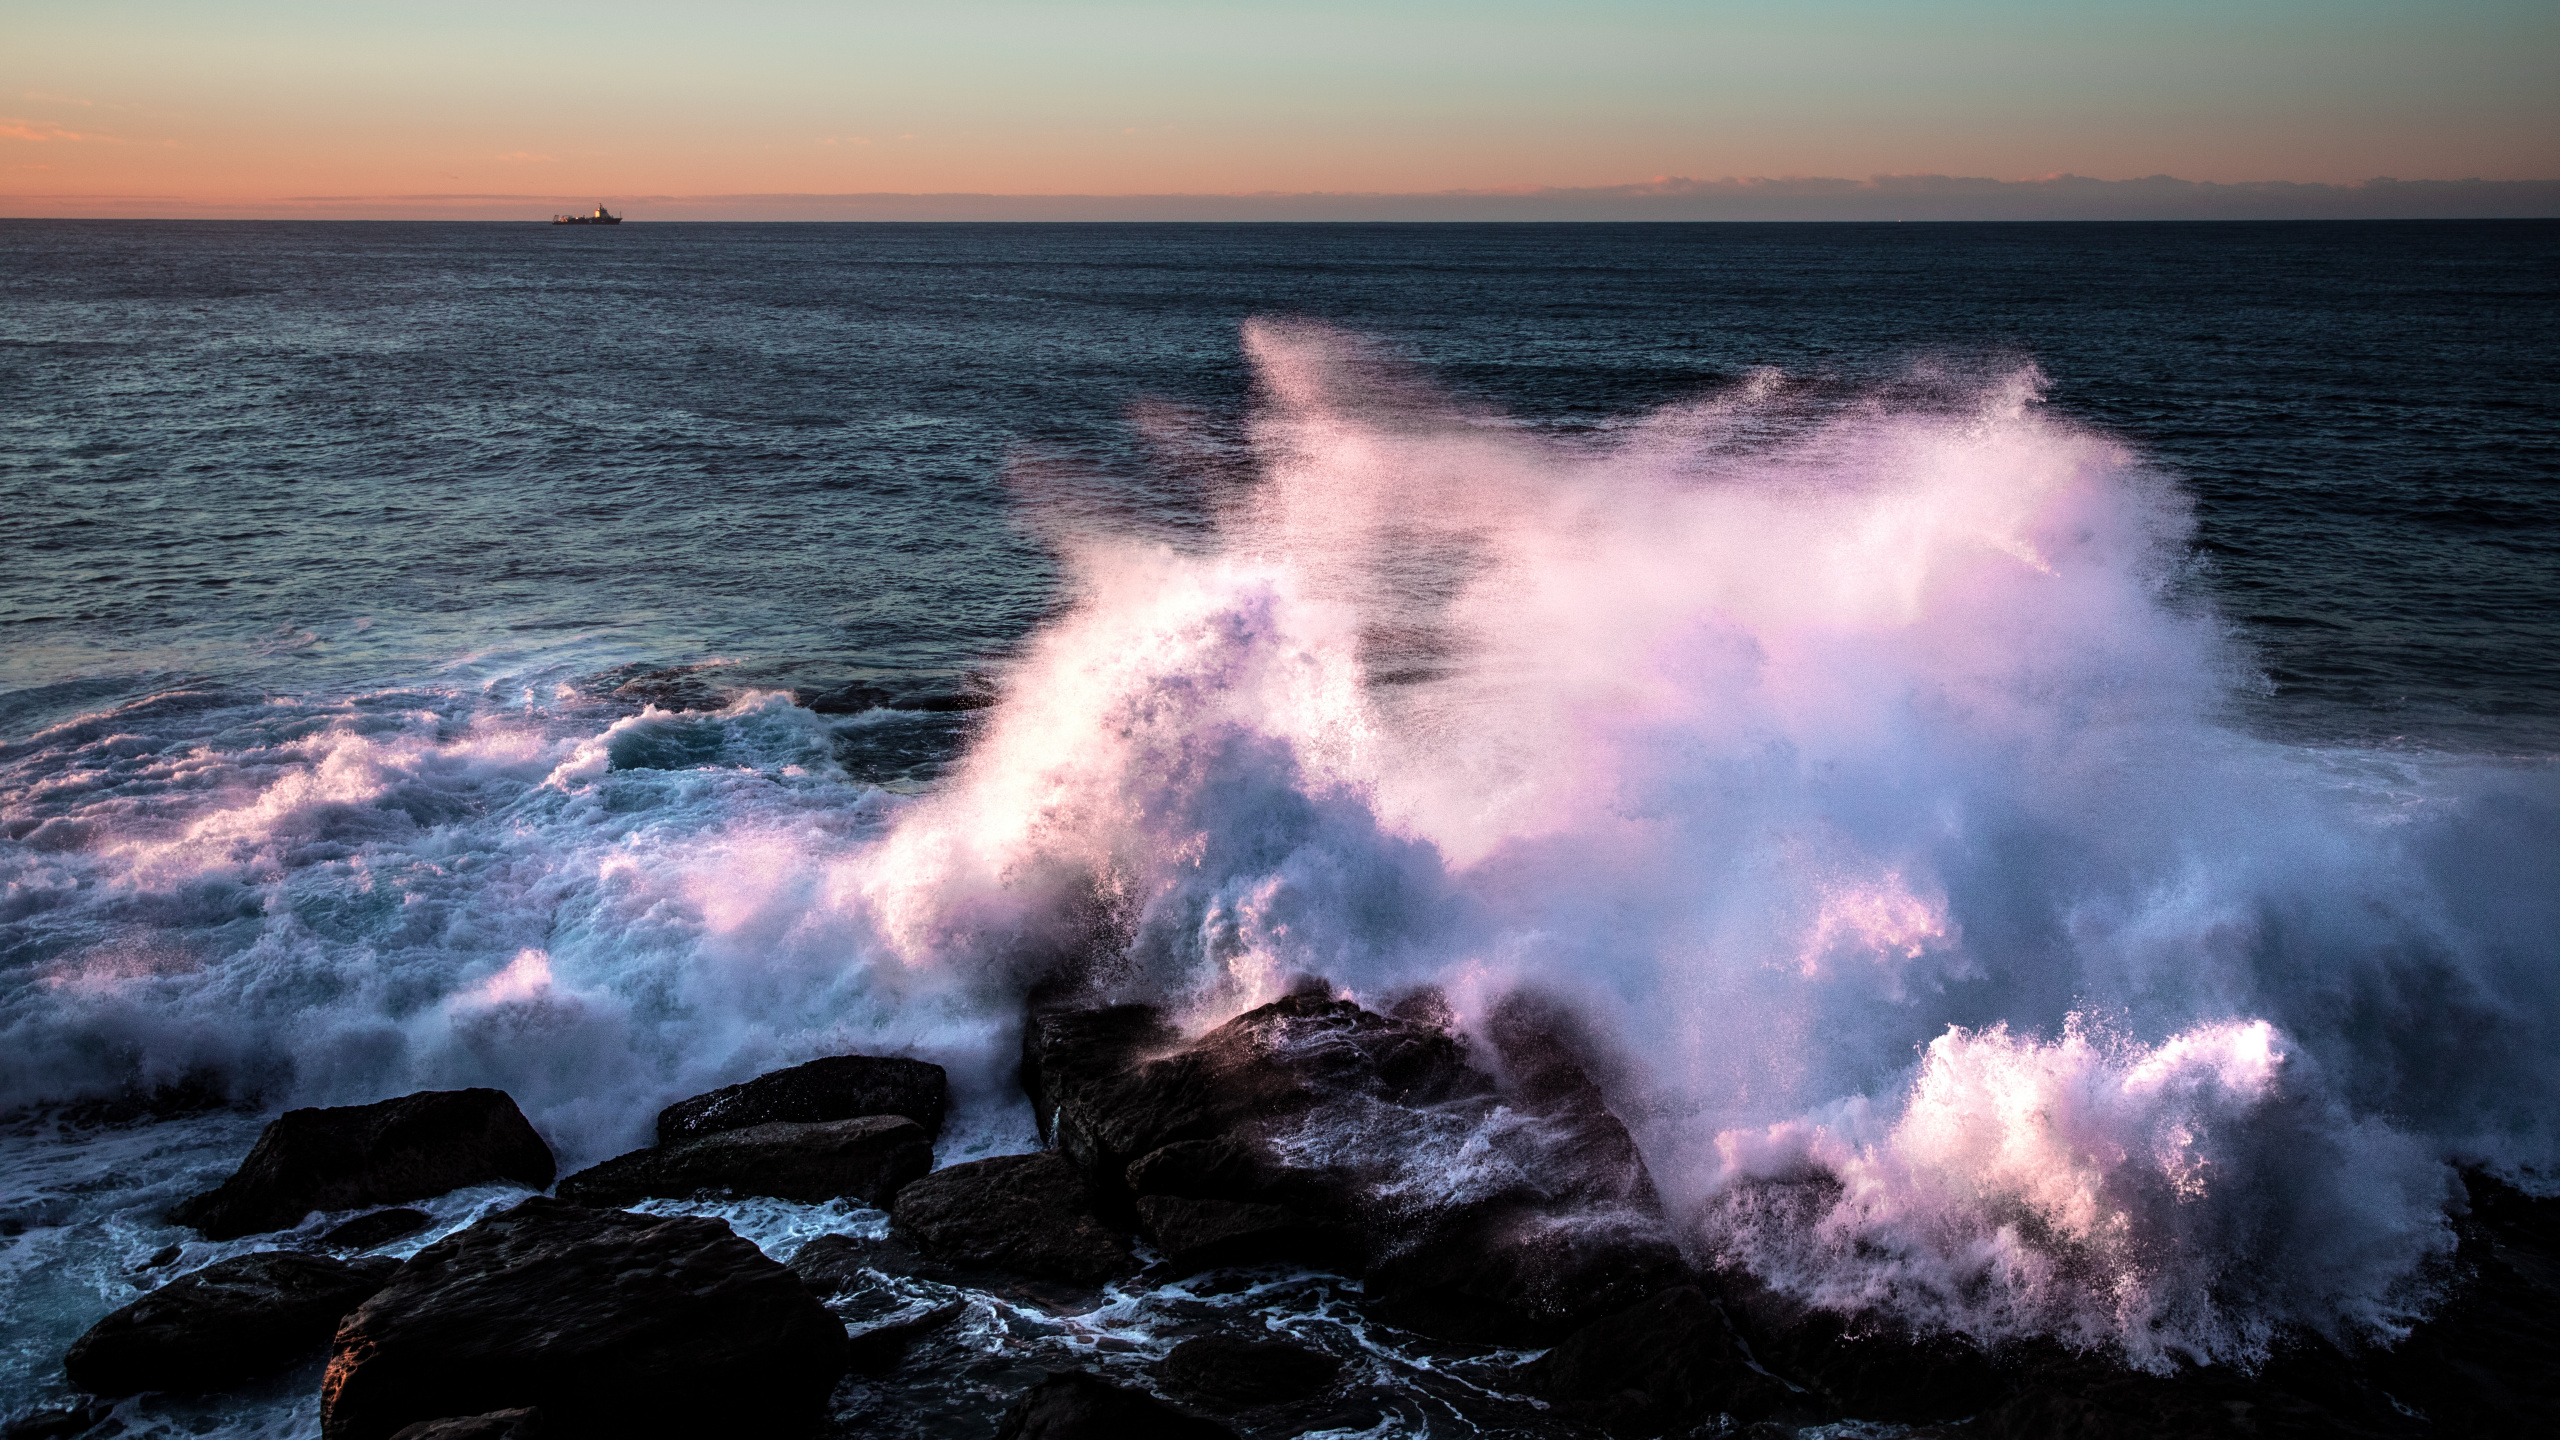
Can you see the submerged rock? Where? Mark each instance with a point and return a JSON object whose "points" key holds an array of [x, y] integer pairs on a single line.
{"points": [[1474, 1211], [1028, 1214], [840, 1087], [1230, 1373], [341, 1158], [379, 1228], [867, 1159], [1077, 1405], [521, 1424], [229, 1322], [612, 1324]]}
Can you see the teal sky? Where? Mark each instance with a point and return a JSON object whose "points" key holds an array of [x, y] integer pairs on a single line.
{"points": [[205, 101]]}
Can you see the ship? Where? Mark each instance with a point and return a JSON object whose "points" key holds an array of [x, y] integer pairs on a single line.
{"points": [[601, 217]]}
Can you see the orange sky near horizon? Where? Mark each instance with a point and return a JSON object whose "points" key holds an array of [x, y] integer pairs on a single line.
{"points": [[268, 102]]}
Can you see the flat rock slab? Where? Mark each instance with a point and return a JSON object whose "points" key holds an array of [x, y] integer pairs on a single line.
{"points": [[612, 1324], [229, 1322], [1076, 1405], [348, 1156], [840, 1087], [1029, 1214], [866, 1159], [1229, 1372]]}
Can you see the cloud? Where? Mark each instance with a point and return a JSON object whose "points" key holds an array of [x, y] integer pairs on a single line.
{"points": [[12, 128]]}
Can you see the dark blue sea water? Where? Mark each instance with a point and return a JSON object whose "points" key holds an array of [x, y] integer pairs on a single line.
{"points": [[610, 662]]}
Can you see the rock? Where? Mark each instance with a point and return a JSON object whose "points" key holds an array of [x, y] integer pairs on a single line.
{"points": [[520, 1424], [379, 1228], [1029, 1214], [833, 1264], [412, 1148], [1109, 1086], [857, 1268], [868, 1159], [1523, 1274], [1868, 1367], [1663, 1367], [61, 1423], [1476, 1212], [1077, 1405], [1231, 1373], [229, 1322], [1205, 1234], [841, 1087], [612, 1324], [165, 1255], [879, 1347]]}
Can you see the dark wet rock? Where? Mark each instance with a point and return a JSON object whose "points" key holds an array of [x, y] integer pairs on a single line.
{"points": [[165, 1255], [379, 1228], [1544, 1058], [669, 687], [867, 1159], [1197, 1234], [1521, 1273], [1228, 1372], [60, 1423], [1109, 1086], [612, 1324], [1663, 1367], [879, 1347], [840, 1087], [1077, 1405], [857, 1268], [518, 1424], [2486, 1363], [412, 1148], [943, 702], [1029, 1214], [1478, 1213], [835, 1264], [229, 1322], [1867, 1367]]}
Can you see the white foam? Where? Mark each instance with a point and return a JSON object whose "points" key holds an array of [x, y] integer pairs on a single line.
{"points": [[1786, 740]]}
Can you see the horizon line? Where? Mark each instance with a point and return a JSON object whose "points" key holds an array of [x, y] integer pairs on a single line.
{"points": [[1899, 197]]}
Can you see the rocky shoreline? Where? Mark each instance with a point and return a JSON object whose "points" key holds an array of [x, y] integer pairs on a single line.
{"points": [[1479, 1194]]}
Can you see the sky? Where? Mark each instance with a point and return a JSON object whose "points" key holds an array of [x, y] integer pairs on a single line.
{"points": [[143, 106]]}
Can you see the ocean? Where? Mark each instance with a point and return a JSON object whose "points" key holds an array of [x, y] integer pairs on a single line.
{"points": [[1899, 684]]}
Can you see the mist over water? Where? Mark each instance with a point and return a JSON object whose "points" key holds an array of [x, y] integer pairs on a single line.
{"points": [[1914, 769]]}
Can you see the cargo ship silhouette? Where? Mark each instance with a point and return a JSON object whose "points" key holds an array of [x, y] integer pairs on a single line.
{"points": [[601, 217]]}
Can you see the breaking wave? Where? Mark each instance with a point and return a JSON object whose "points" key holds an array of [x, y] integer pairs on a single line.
{"points": [[1861, 770]]}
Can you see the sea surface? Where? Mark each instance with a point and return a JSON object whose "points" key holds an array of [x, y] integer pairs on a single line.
{"points": [[1900, 683]]}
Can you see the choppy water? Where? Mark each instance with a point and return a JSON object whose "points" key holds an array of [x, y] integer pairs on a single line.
{"points": [[2130, 645]]}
